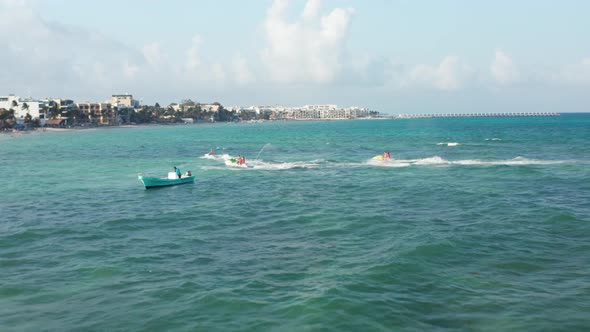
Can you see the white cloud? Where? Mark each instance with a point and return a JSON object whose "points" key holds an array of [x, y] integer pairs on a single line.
{"points": [[450, 74], [48, 58], [153, 54], [193, 58], [218, 73], [130, 70], [241, 71], [503, 69], [44, 58], [307, 50], [13, 3], [312, 9]]}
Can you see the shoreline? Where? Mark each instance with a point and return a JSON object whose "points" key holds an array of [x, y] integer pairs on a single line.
{"points": [[82, 128], [127, 126], [142, 125]]}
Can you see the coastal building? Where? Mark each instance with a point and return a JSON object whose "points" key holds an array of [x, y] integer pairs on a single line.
{"points": [[320, 107], [62, 104], [9, 102], [123, 101], [213, 107], [317, 112], [243, 113], [264, 110], [56, 122], [101, 112], [23, 107], [176, 107]]}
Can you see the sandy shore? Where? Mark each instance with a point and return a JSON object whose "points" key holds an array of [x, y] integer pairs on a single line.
{"points": [[71, 129]]}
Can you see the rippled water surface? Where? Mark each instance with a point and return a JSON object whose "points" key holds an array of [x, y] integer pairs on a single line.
{"points": [[476, 225]]}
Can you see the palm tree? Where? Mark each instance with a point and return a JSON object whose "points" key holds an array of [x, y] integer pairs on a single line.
{"points": [[6, 118], [75, 112], [104, 113], [28, 118], [116, 118], [53, 110], [45, 109], [3, 117]]}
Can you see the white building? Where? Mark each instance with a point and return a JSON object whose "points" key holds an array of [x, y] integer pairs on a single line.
{"points": [[176, 107], [329, 107], [123, 101], [214, 107], [312, 112], [9, 102], [24, 106]]}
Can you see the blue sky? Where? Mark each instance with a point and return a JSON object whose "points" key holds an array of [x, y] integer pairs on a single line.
{"points": [[393, 56]]}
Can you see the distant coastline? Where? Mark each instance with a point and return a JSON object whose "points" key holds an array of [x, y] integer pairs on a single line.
{"points": [[81, 127]]}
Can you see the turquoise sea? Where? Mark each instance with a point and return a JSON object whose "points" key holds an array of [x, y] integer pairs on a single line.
{"points": [[489, 234]]}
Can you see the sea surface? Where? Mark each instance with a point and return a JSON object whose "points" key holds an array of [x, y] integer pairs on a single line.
{"points": [[478, 224]]}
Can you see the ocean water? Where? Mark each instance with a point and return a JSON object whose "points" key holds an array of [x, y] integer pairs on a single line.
{"points": [[477, 224]]}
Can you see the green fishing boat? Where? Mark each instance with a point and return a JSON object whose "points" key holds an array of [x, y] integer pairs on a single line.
{"points": [[155, 182]]}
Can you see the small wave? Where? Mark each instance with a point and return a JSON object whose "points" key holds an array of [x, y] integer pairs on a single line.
{"points": [[224, 156], [261, 165], [436, 160], [448, 143], [387, 163], [493, 139], [518, 161]]}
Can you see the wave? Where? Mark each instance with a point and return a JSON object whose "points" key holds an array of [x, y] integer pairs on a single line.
{"points": [[518, 161], [448, 143], [436, 160], [224, 156], [392, 163], [493, 139], [262, 165], [387, 163]]}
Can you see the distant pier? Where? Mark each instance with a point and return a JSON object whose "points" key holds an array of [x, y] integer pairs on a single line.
{"points": [[474, 115]]}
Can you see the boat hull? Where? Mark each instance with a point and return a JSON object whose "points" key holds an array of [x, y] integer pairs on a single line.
{"points": [[154, 182]]}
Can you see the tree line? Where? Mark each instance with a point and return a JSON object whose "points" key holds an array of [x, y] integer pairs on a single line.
{"points": [[8, 119], [187, 109]]}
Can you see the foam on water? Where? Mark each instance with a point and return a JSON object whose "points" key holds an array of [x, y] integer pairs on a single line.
{"points": [[437, 161], [518, 161], [261, 164], [223, 156], [448, 143], [392, 163], [386, 163]]}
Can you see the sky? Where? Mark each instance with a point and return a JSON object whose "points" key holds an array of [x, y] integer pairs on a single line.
{"points": [[393, 56]]}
